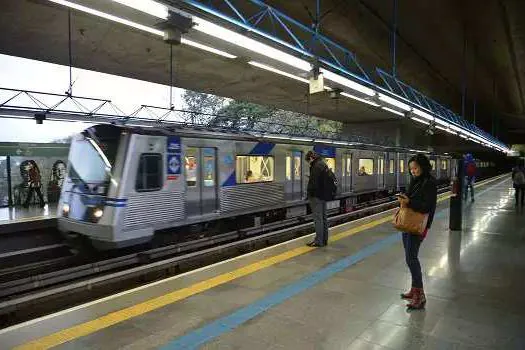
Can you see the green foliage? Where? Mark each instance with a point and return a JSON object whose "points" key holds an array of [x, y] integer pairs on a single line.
{"points": [[247, 115]]}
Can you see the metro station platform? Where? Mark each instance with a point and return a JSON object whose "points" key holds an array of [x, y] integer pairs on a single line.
{"points": [[343, 296], [16, 219]]}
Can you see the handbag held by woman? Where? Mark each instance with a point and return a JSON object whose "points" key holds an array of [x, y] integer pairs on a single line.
{"points": [[410, 221]]}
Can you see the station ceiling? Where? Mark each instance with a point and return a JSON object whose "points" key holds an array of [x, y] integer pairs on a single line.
{"points": [[429, 56]]}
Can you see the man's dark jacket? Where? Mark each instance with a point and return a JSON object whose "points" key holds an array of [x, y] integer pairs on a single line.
{"points": [[315, 184]]}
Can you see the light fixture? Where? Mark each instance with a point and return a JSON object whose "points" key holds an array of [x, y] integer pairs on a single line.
{"points": [[206, 48], [420, 120], [347, 82], [138, 25], [275, 70], [394, 102], [440, 127], [249, 44], [323, 141], [360, 99], [302, 139], [278, 137], [108, 16], [342, 143], [422, 114], [147, 6], [393, 111]]}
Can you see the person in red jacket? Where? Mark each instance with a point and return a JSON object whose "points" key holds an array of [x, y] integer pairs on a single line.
{"points": [[35, 184], [470, 175]]}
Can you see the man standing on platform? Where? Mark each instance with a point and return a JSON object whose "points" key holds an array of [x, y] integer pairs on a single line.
{"points": [[318, 168]]}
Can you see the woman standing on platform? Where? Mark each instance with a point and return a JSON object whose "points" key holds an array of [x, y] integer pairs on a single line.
{"points": [[421, 197]]}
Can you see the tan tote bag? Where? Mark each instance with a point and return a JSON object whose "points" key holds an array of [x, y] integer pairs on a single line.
{"points": [[410, 221]]}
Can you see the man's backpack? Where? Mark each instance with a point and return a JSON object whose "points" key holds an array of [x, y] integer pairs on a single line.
{"points": [[519, 178], [329, 189], [471, 169]]}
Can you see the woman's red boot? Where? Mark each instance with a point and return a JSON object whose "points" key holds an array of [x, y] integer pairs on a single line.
{"points": [[409, 294], [418, 300]]}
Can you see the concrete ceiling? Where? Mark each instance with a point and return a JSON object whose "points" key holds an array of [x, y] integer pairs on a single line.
{"points": [[430, 49]]}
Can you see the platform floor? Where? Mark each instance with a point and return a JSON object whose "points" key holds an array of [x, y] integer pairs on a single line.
{"points": [[344, 296], [19, 214]]}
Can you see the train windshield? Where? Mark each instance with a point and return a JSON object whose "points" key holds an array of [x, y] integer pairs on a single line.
{"points": [[91, 161]]}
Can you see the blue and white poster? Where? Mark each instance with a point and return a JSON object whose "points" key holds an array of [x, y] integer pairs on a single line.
{"points": [[173, 157]]}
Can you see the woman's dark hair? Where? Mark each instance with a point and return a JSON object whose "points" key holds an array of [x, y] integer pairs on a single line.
{"points": [[423, 161]]}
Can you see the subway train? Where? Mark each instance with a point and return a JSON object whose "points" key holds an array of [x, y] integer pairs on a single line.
{"points": [[125, 183]]}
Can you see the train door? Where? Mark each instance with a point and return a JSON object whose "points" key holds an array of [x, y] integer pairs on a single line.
{"points": [[381, 171], [346, 172], [201, 180], [293, 176]]}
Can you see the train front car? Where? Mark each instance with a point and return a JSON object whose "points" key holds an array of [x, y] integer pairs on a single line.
{"points": [[89, 203]]}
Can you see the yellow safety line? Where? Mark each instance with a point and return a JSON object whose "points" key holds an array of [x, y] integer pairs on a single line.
{"points": [[115, 317]]}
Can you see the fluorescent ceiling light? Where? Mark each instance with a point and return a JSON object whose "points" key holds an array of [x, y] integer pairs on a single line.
{"points": [[278, 137], [360, 99], [275, 70], [323, 141], [393, 111], [347, 82], [207, 48], [108, 16], [343, 143], [394, 102], [147, 6], [441, 128], [442, 122], [305, 139], [138, 25], [420, 120], [248, 43], [423, 114]]}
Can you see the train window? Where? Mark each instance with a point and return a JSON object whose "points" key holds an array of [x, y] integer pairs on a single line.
{"points": [[191, 165], [366, 167], [401, 165], [254, 169], [331, 163], [433, 164], [288, 168], [149, 174], [391, 166], [297, 167], [381, 169], [444, 165], [208, 159]]}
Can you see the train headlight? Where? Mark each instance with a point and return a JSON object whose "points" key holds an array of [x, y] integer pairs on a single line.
{"points": [[97, 213], [65, 209]]}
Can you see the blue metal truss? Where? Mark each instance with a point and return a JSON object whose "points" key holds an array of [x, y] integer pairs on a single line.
{"points": [[407, 92], [257, 17]]}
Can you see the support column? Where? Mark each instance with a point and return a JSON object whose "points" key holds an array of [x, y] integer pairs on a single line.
{"points": [[456, 200]]}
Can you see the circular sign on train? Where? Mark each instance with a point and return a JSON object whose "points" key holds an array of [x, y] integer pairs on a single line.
{"points": [[173, 164]]}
